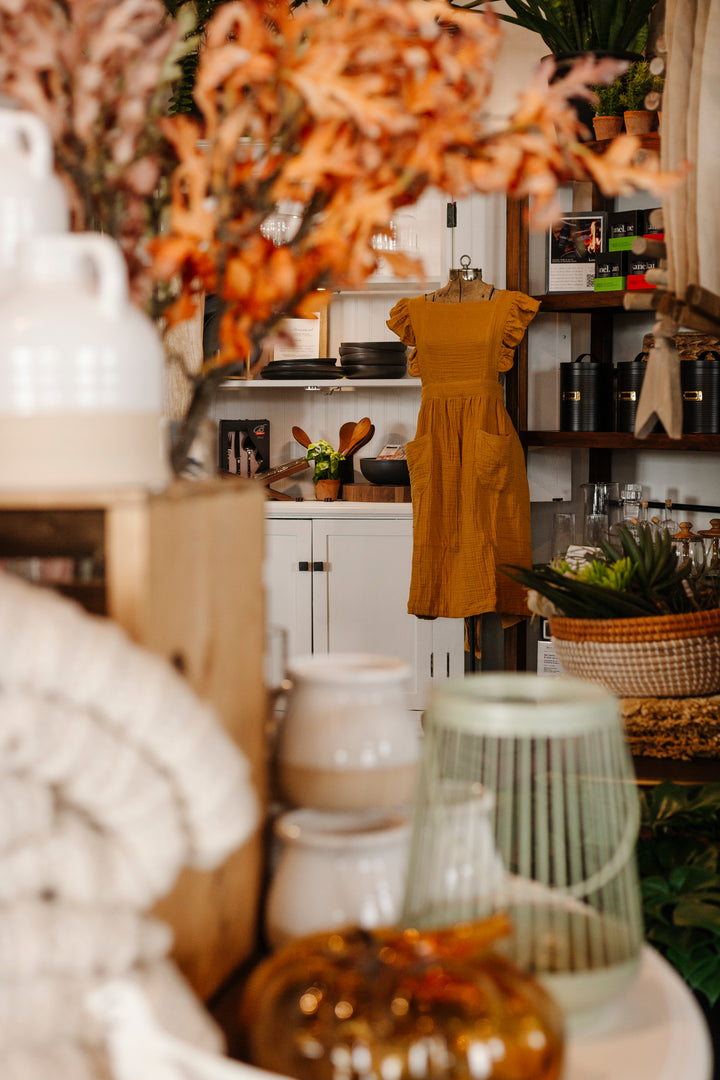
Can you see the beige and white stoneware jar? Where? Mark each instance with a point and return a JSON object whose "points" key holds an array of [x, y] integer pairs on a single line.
{"points": [[81, 372], [32, 199], [336, 870], [348, 741]]}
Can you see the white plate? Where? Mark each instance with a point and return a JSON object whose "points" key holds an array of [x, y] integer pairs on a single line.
{"points": [[654, 1031]]}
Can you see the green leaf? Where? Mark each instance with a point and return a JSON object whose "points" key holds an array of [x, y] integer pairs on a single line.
{"points": [[682, 805], [697, 913]]}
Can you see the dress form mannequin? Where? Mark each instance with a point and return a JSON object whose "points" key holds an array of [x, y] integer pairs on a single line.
{"points": [[466, 285]]}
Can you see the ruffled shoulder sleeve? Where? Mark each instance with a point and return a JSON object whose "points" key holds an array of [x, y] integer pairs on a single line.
{"points": [[400, 324], [522, 310]]}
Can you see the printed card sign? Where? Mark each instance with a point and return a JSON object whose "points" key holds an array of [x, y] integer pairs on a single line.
{"points": [[573, 242], [304, 341]]}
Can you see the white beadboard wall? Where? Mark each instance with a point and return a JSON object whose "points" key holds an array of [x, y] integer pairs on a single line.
{"points": [[362, 316], [321, 415]]}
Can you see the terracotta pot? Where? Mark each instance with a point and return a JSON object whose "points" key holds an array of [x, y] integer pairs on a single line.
{"points": [[639, 121], [607, 127], [564, 61], [327, 489]]}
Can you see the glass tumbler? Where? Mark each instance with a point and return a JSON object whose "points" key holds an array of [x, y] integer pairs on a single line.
{"points": [[600, 502], [563, 534]]}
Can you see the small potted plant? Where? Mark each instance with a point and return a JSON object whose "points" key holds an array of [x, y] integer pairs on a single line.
{"points": [[637, 83], [638, 620], [327, 462], [608, 119]]}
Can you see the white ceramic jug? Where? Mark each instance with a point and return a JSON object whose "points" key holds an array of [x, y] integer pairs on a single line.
{"points": [[336, 870], [348, 741], [32, 200], [81, 371]]}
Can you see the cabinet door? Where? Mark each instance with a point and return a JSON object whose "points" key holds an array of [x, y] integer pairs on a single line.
{"points": [[288, 588], [360, 597]]}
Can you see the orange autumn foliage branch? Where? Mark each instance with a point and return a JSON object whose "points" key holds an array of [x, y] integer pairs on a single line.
{"points": [[344, 113]]}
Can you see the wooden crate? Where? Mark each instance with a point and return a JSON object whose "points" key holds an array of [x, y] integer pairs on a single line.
{"points": [[183, 576]]}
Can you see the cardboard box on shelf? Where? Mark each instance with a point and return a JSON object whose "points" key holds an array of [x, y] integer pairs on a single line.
{"points": [[624, 226], [611, 271], [637, 269]]}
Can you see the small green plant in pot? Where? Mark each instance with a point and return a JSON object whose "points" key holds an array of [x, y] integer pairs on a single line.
{"points": [[636, 84], [608, 119], [327, 463]]}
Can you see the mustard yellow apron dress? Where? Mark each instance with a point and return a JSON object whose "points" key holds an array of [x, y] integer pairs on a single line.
{"points": [[471, 505]]}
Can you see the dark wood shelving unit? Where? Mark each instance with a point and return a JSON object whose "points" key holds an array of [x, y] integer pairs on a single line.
{"points": [[619, 440], [585, 302]]}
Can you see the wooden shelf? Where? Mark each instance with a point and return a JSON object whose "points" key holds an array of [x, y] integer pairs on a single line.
{"points": [[651, 141], [585, 302], [619, 440], [649, 770]]}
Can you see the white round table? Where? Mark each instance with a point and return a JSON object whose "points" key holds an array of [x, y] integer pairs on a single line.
{"points": [[654, 1031]]}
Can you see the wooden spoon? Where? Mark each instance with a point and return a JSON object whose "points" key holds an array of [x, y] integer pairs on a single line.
{"points": [[350, 431], [344, 436], [301, 436], [360, 442], [361, 430]]}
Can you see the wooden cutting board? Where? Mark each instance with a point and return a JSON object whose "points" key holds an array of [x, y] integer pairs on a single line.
{"points": [[375, 493]]}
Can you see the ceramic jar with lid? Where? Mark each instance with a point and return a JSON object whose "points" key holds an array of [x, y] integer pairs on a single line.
{"points": [[688, 546], [336, 870], [711, 544], [32, 200], [81, 371], [348, 741]]}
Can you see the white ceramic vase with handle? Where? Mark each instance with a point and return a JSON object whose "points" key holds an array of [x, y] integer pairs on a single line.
{"points": [[81, 372], [32, 200], [348, 741], [336, 870]]}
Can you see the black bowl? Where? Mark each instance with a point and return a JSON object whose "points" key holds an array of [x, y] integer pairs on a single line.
{"points": [[385, 470], [372, 346]]}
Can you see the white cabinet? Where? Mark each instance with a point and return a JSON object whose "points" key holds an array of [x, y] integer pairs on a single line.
{"points": [[340, 584]]}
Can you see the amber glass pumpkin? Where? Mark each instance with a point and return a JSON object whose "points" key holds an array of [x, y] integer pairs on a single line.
{"points": [[401, 1005]]}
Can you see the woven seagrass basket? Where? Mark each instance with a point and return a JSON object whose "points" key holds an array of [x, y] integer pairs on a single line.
{"points": [[657, 656]]}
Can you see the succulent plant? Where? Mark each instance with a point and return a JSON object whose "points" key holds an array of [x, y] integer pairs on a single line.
{"points": [[643, 578]]}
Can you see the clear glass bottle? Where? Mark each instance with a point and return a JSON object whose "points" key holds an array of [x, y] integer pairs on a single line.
{"points": [[667, 521]]}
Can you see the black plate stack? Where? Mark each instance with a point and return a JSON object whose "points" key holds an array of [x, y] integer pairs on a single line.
{"points": [[321, 368], [373, 359]]}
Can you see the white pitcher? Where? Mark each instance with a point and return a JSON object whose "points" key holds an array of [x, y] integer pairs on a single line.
{"points": [[81, 371], [32, 199]]}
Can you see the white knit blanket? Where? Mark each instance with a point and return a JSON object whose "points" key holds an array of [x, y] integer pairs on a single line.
{"points": [[114, 775]]}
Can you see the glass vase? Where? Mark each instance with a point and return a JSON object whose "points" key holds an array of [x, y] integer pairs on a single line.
{"points": [[400, 1005]]}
